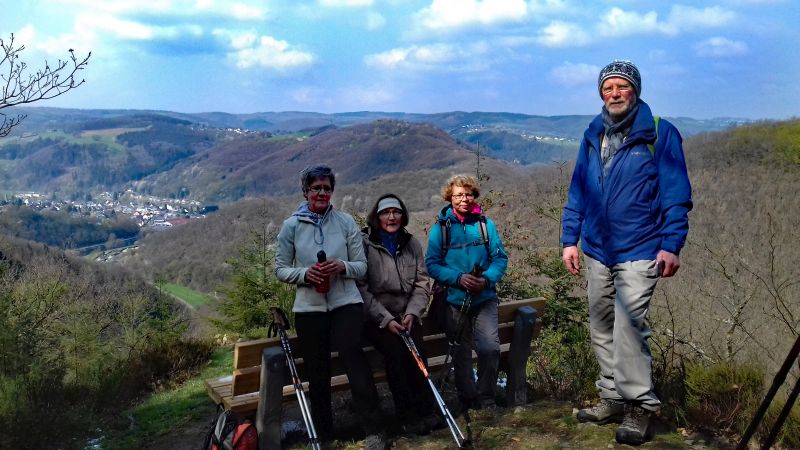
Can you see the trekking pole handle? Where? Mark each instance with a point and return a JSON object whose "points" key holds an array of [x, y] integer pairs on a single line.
{"points": [[279, 318]]}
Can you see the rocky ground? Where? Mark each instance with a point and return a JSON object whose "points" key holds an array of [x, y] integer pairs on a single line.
{"points": [[541, 424]]}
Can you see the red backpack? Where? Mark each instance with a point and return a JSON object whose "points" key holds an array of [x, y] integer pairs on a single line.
{"points": [[231, 432]]}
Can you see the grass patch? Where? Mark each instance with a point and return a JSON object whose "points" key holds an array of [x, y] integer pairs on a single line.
{"points": [[169, 409], [190, 296]]}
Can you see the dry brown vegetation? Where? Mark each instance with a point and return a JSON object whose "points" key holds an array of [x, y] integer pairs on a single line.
{"points": [[735, 296]]}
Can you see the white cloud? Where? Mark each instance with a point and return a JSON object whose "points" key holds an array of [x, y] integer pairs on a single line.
{"points": [[547, 7], [367, 97], [411, 57], [242, 11], [375, 21], [618, 22], [345, 3], [562, 34], [624, 23], [720, 47], [687, 17], [572, 74], [25, 34], [431, 57], [107, 23], [270, 53], [239, 10], [444, 15], [239, 41]]}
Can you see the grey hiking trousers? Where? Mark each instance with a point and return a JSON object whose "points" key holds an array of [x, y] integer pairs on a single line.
{"points": [[481, 334], [619, 298]]}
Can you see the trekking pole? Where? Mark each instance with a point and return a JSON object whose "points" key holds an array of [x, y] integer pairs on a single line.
{"points": [[280, 323], [458, 436], [787, 409], [453, 343], [779, 379]]}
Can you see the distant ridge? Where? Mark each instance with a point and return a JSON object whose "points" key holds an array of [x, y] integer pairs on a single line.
{"points": [[567, 126], [222, 157]]}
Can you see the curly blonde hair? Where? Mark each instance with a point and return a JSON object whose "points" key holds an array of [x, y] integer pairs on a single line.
{"points": [[465, 181]]}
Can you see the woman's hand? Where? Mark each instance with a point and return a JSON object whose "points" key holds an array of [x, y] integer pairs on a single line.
{"points": [[331, 267], [473, 284], [408, 321], [314, 275], [394, 327]]}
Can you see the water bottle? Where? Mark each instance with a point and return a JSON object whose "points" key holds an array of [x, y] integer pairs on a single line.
{"points": [[325, 285]]}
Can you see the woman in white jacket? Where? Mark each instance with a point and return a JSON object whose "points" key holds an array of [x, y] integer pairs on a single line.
{"points": [[332, 319]]}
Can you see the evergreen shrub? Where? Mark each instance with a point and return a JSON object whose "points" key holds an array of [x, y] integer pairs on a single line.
{"points": [[723, 396]]}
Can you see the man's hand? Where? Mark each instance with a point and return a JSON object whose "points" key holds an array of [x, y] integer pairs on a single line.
{"points": [[572, 259], [408, 321], [473, 284], [395, 327], [670, 263]]}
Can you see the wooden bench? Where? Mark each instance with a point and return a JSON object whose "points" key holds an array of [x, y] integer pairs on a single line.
{"points": [[518, 322]]}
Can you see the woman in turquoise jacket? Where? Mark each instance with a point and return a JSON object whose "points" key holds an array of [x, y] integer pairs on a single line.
{"points": [[465, 254]]}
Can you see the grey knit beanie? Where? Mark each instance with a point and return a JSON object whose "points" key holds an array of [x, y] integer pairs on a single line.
{"points": [[623, 69]]}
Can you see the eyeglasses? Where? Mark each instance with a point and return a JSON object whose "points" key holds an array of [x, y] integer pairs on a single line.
{"points": [[318, 189], [460, 196], [621, 88], [391, 212]]}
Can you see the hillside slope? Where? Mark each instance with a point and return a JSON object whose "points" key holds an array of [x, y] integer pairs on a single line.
{"points": [[255, 166]]}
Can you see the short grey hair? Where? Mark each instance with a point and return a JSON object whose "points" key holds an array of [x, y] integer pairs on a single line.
{"points": [[311, 173]]}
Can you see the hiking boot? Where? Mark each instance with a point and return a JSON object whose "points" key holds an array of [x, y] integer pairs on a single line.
{"points": [[415, 427], [633, 430], [488, 403], [376, 441], [603, 412], [434, 421]]}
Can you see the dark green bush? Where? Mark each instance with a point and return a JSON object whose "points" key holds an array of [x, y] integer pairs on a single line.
{"points": [[723, 396], [562, 364], [789, 435]]}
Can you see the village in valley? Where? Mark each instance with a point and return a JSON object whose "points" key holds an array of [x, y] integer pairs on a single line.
{"points": [[144, 210]]}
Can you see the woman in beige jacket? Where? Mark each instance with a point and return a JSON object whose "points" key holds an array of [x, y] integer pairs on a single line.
{"points": [[395, 294]]}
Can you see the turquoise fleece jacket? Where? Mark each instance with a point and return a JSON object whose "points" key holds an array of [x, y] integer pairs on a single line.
{"points": [[466, 249]]}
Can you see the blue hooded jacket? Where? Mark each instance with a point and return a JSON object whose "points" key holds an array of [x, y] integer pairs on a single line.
{"points": [[641, 206], [466, 250]]}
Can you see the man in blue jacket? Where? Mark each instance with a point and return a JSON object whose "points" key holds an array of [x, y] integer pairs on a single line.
{"points": [[628, 202]]}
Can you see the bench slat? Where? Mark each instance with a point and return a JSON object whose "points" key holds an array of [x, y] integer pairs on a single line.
{"points": [[248, 354], [249, 402], [239, 392], [248, 379]]}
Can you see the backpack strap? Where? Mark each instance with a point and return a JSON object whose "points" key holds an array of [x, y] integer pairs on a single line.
{"points": [[652, 147], [484, 233], [445, 228], [446, 224]]}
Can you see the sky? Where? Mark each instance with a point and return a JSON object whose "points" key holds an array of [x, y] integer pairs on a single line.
{"points": [[699, 59]]}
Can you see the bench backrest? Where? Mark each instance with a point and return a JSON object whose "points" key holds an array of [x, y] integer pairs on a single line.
{"points": [[247, 355]]}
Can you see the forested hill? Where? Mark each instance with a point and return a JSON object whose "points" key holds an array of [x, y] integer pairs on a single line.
{"points": [[222, 157], [256, 165]]}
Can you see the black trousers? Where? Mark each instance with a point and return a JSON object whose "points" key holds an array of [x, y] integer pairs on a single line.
{"points": [[411, 394], [338, 330]]}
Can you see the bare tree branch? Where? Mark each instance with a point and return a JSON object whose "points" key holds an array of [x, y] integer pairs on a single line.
{"points": [[20, 86]]}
